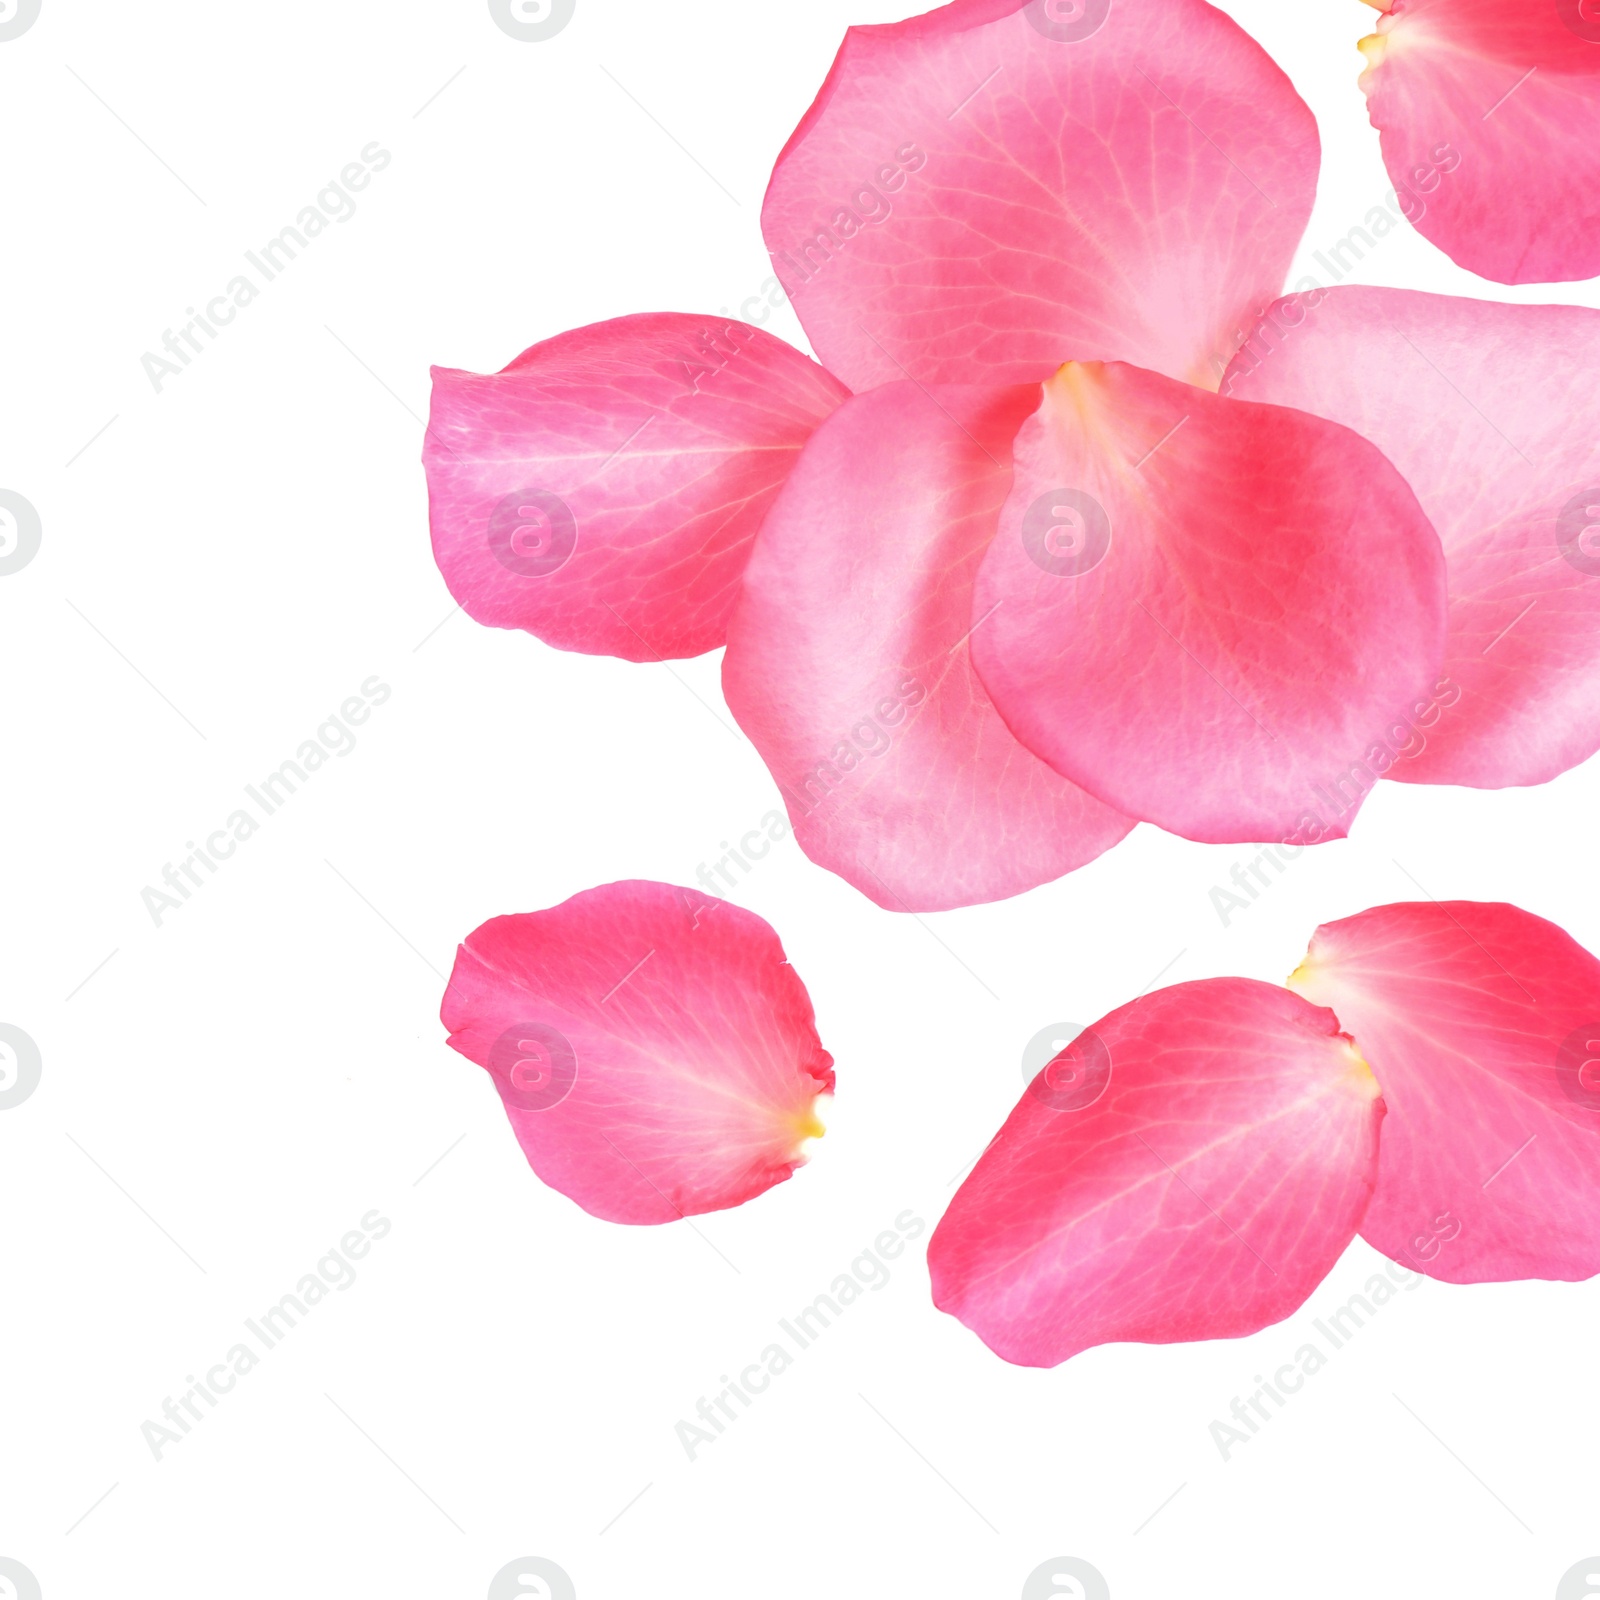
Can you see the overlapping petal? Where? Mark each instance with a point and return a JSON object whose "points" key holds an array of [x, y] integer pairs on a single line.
{"points": [[602, 490], [1482, 1025], [654, 1050], [983, 192], [1203, 611], [1492, 414], [1189, 1168], [1489, 116], [848, 660]]}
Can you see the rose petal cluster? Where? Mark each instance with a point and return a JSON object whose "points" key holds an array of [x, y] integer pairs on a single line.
{"points": [[1193, 1165], [1081, 521]]}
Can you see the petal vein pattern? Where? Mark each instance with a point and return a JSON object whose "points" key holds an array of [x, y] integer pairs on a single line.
{"points": [[1489, 116], [602, 490], [1206, 613], [655, 1053], [1482, 1024], [1203, 1194], [849, 660], [979, 194], [1491, 414]]}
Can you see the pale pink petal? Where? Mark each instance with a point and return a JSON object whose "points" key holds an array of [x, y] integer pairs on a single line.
{"points": [[980, 193], [1188, 1168], [602, 491], [1489, 112], [1203, 611], [653, 1048], [1482, 1026], [848, 660], [1492, 414]]}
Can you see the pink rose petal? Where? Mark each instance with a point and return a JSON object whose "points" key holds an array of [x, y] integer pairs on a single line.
{"points": [[848, 660], [653, 1048], [1482, 1025], [1188, 1168], [1492, 414], [1489, 112], [980, 193], [1206, 612], [602, 491]]}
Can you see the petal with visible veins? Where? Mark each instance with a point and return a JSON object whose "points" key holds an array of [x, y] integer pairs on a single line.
{"points": [[602, 490], [982, 192], [1482, 1024], [1489, 116], [654, 1050], [1204, 611], [848, 662], [1491, 414], [1190, 1167]]}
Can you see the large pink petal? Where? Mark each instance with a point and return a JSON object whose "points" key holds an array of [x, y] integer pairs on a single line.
{"points": [[1489, 112], [1482, 1025], [602, 491], [1492, 414], [653, 1048], [1188, 1168], [848, 660], [980, 193], [1203, 611]]}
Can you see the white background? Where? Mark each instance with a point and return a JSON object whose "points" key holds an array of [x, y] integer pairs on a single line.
{"points": [[224, 1096]]}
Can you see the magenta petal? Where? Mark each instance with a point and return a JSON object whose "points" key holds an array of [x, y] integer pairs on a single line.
{"points": [[653, 1048], [1206, 612], [1188, 1168], [848, 660], [1492, 414], [1489, 112], [602, 491], [1482, 1024], [982, 192]]}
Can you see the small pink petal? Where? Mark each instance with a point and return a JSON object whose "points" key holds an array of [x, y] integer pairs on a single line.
{"points": [[979, 193], [602, 491], [1188, 1168], [653, 1048], [1482, 1025], [848, 661], [1491, 413], [1489, 113], [1205, 612]]}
